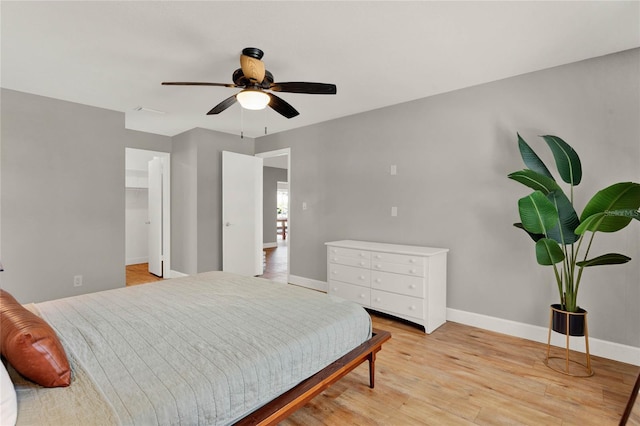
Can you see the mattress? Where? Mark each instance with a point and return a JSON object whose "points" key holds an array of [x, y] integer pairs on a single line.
{"points": [[204, 349]]}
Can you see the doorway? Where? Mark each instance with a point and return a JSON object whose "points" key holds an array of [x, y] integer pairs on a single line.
{"points": [[276, 213], [147, 214]]}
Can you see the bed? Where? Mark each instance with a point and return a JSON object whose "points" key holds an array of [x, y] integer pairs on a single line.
{"points": [[212, 348]]}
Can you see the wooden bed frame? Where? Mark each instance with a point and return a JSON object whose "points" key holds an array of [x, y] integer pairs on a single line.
{"points": [[284, 405]]}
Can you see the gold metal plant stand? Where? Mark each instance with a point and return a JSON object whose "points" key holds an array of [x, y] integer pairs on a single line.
{"points": [[585, 369]]}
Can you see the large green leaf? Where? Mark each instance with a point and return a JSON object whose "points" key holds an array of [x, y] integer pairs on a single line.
{"points": [[548, 252], [537, 213], [610, 204], [535, 181], [531, 159], [605, 259], [534, 237], [564, 231], [567, 160]]}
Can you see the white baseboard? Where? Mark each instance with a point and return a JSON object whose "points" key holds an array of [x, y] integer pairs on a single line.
{"points": [[136, 260], [308, 282], [176, 274], [269, 245], [597, 347]]}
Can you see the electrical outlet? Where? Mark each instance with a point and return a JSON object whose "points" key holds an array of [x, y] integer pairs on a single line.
{"points": [[304, 205], [393, 170], [77, 280], [394, 211]]}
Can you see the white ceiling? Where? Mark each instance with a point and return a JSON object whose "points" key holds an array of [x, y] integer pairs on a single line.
{"points": [[115, 54]]}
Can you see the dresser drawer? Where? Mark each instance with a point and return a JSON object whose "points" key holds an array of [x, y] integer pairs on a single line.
{"points": [[350, 261], [397, 304], [345, 252], [355, 293], [397, 268], [401, 259], [395, 283], [349, 274]]}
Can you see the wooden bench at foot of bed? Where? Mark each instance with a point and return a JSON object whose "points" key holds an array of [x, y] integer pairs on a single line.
{"points": [[284, 405]]}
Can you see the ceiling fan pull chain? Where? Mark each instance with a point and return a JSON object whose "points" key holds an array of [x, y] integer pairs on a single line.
{"points": [[241, 123]]}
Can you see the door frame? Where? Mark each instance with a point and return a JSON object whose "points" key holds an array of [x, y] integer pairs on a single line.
{"points": [[166, 207], [277, 153]]}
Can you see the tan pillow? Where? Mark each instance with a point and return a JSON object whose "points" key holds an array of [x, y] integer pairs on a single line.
{"points": [[31, 346]]}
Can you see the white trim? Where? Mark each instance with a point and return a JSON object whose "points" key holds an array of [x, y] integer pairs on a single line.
{"points": [[269, 245], [290, 219], [274, 153], [137, 260], [177, 274], [597, 347], [308, 282], [166, 206]]}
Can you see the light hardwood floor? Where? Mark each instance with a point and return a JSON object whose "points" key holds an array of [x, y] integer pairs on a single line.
{"points": [[276, 259], [139, 274], [460, 375]]}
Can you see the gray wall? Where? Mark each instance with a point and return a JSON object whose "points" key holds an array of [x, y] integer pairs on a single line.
{"points": [[196, 192], [453, 152], [62, 194], [62, 209], [270, 178]]}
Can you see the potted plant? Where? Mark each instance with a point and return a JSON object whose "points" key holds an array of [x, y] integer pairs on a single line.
{"points": [[563, 240]]}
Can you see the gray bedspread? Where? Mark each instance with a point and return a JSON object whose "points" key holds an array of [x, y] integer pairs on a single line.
{"points": [[199, 350]]}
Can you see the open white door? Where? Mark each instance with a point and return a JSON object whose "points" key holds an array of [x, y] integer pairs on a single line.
{"points": [[241, 214], [155, 216]]}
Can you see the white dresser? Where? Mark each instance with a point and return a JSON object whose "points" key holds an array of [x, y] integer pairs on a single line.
{"points": [[408, 282]]}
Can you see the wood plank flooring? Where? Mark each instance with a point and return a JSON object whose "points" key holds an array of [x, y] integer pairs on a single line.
{"points": [[139, 274], [461, 375], [276, 268]]}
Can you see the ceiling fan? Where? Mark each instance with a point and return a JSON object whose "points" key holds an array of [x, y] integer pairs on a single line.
{"points": [[254, 80]]}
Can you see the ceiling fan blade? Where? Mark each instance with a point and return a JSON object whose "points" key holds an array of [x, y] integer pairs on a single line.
{"points": [[303, 87], [193, 83], [223, 105], [282, 107], [252, 68]]}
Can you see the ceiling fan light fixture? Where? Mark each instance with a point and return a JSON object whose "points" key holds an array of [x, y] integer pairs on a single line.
{"points": [[253, 99]]}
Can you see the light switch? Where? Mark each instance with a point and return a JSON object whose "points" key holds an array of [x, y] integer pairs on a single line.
{"points": [[304, 205], [394, 211], [393, 170]]}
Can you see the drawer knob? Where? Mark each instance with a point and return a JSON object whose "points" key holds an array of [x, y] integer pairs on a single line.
{"points": [[378, 256], [378, 280], [413, 271], [335, 259], [412, 261], [361, 277], [413, 308], [361, 254], [335, 289], [334, 272], [361, 263], [377, 299], [334, 251], [362, 295], [378, 266], [412, 286]]}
